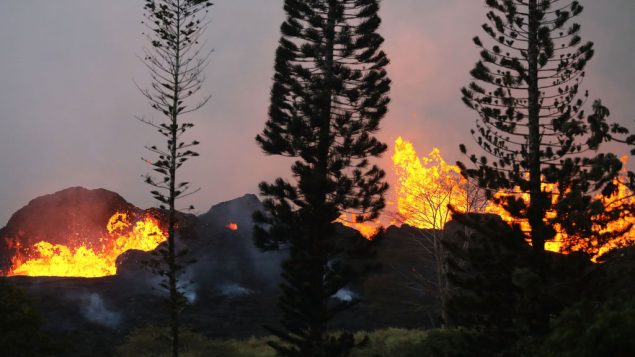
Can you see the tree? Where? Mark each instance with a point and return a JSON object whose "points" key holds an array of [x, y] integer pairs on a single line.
{"points": [[486, 279], [176, 65], [427, 186], [328, 98], [532, 123]]}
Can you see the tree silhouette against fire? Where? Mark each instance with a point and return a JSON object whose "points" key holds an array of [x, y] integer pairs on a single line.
{"points": [[328, 98], [532, 122]]}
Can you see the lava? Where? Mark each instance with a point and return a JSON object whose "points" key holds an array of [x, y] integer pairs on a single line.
{"points": [[427, 185], [564, 243], [76, 259], [368, 229], [232, 226]]}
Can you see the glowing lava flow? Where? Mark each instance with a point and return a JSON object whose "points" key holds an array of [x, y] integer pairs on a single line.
{"points": [[367, 229], [232, 226], [428, 185], [564, 243], [46, 259]]}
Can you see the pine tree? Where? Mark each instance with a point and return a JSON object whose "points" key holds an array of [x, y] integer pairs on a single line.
{"points": [[532, 122], [483, 263], [328, 98], [176, 65]]}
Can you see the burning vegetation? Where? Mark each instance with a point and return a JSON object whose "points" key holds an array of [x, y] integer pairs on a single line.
{"points": [[77, 258]]}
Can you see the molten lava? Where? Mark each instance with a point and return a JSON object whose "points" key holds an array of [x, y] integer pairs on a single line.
{"points": [[428, 185], [232, 226], [367, 229], [81, 260], [564, 243]]}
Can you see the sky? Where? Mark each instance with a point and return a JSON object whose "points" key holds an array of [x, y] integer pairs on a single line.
{"points": [[68, 100]]}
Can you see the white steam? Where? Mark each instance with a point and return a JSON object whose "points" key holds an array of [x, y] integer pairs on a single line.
{"points": [[345, 294], [233, 290], [94, 309]]}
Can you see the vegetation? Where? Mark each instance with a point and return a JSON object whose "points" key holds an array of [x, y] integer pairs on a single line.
{"points": [[176, 72], [21, 326], [500, 293], [392, 342], [587, 330], [427, 187], [328, 98], [155, 341], [532, 122]]}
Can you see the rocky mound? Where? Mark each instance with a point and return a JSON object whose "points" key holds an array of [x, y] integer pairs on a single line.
{"points": [[232, 286], [73, 212]]}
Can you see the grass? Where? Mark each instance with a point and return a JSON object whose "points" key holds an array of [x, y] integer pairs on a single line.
{"points": [[153, 342]]}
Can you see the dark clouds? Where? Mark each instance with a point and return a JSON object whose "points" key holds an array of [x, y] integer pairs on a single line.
{"points": [[67, 99]]}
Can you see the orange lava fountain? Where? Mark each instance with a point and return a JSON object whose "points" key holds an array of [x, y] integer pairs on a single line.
{"points": [[564, 243], [46, 259], [428, 185]]}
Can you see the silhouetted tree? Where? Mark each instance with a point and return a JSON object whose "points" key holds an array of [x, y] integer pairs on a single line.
{"points": [[328, 98], [526, 91], [176, 65], [484, 265]]}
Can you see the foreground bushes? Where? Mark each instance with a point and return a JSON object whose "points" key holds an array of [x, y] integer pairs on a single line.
{"points": [[584, 330], [20, 326], [153, 341], [587, 331]]}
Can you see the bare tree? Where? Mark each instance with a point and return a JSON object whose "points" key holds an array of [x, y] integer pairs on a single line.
{"points": [[176, 63], [428, 186]]}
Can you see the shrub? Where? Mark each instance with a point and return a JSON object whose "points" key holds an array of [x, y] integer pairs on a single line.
{"points": [[152, 341], [448, 342], [20, 326], [586, 331], [391, 342]]}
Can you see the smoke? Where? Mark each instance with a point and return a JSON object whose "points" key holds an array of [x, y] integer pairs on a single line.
{"points": [[189, 292], [94, 310], [224, 255], [345, 294], [233, 290]]}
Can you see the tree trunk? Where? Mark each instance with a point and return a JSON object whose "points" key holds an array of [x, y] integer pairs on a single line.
{"points": [[172, 275], [320, 209], [536, 206]]}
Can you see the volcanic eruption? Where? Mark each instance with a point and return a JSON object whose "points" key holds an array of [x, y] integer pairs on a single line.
{"points": [[428, 184], [80, 233], [75, 232]]}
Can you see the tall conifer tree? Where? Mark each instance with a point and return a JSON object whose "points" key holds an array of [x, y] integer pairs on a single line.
{"points": [[532, 123], [328, 98], [176, 65]]}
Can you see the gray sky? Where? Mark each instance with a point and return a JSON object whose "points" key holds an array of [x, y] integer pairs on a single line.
{"points": [[67, 97]]}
